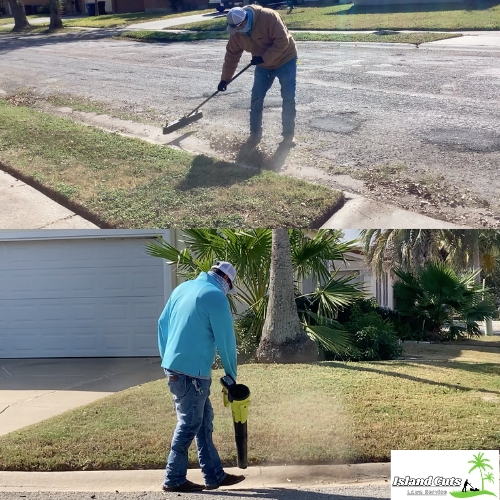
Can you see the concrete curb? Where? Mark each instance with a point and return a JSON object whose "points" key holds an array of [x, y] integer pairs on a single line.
{"points": [[289, 477]]}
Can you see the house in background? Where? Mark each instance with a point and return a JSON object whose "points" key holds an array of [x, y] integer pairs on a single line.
{"points": [[378, 287], [96, 293], [110, 6]]}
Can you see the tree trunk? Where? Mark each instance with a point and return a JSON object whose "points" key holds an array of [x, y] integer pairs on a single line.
{"points": [[55, 15], [20, 19], [283, 338], [476, 259]]}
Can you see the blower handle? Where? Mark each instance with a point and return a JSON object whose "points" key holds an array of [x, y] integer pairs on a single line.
{"points": [[215, 93]]}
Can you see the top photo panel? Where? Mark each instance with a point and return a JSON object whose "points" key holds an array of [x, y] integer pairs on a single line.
{"points": [[296, 114]]}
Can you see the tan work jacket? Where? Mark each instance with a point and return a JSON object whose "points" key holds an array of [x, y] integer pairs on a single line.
{"points": [[269, 39]]}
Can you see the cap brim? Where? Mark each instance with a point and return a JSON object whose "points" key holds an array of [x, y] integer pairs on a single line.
{"points": [[232, 291], [231, 31]]}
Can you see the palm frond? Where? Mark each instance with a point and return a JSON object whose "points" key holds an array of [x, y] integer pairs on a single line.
{"points": [[329, 334], [336, 294]]}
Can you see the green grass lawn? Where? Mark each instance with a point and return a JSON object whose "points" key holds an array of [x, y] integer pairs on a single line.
{"points": [[165, 37], [350, 17], [114, 20], [129, 183], [122, 20], [328, 412], [10, 20]]}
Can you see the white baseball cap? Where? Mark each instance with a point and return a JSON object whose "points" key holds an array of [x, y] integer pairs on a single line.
{"points": [[234, 18], [228, 269]]}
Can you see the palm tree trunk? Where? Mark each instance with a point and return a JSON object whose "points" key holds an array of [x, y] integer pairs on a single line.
{"points": [[283, 338], [476, 261], [55, 15], [20, 19]]}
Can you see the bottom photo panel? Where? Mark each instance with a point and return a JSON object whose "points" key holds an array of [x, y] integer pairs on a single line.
{"points": [[262, 363]]}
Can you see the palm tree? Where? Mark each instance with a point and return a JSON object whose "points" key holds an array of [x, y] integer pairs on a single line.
{"points": [[412, 248], [435, 294], [20, 20], [480, 463], [250, 253], [283, 339], [404, 248]]}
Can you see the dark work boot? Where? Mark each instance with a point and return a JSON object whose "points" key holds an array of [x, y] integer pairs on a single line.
{"points": [[229, 480], [186, 487]]}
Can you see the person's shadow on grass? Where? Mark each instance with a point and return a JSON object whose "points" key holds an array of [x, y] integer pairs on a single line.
{"points": [[208, 172]]}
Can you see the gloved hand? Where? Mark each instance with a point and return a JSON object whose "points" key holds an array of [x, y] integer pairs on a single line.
{"points": [[227, 381], [222, 86], [256, 60]]}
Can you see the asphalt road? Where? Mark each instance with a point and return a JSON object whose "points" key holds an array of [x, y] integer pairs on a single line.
{"points": [[338, 493], [426, 115]]}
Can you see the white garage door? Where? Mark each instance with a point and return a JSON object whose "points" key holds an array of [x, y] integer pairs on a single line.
{"points": [[79, 298]]}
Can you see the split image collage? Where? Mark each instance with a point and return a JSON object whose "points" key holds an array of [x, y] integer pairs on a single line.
{"points": [[277, 317]]}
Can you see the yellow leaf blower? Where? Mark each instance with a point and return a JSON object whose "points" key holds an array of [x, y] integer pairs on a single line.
{"points": [[237, 396]]}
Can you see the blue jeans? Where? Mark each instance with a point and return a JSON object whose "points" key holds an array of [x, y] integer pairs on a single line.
{"points": [[194, 421], [263, 79]]}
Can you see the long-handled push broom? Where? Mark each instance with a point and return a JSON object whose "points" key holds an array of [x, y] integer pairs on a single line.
{"points": [[195, 115]]}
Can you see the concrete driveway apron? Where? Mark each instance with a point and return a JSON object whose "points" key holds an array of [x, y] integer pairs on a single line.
{"points": [[32, 390]]}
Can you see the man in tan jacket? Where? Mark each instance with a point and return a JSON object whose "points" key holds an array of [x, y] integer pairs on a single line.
{"points": [[262, 32]]}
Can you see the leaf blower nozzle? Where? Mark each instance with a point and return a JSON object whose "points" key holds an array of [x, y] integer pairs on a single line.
{"points": [[237, 396]]}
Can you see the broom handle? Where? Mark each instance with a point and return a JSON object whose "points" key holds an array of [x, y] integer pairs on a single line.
{"points": [[215, 93]]}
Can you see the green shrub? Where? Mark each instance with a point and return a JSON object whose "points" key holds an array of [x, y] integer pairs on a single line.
{"points": [[247, 337], [374, 337], [403, 329]]}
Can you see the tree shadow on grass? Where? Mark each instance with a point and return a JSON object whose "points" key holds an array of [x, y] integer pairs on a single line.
{"points": [[482, 368], [286, 494], [408, 377], [384, 8], [208, 172]]}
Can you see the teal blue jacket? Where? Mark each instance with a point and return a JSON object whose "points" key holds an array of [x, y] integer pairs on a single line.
{"points": [[196, 321]]}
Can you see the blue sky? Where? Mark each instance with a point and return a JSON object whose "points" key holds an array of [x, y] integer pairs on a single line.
{"points": [[350, 234]]}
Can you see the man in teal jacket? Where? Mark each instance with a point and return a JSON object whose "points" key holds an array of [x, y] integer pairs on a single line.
{"points": [[195, 323]]}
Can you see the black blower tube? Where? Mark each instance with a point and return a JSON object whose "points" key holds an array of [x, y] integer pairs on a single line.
{"points": [[240, 436], [239, 393]]}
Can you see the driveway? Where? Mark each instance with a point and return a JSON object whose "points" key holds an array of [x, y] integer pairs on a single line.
{"points": [[32, 390]]}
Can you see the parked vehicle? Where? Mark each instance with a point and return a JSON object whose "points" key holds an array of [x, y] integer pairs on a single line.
{"points": [[222, 5]]}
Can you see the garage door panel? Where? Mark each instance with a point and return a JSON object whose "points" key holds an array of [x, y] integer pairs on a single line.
{"points": [[48, 283], [64, 254], [63, 342], [57, 313], [71, 310]]}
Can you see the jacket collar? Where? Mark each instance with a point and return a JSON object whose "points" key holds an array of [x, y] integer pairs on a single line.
{"points": [[206, 277]]}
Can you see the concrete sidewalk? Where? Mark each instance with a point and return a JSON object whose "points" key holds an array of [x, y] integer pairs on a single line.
{"points": [[23, 207], [290, 477]]}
